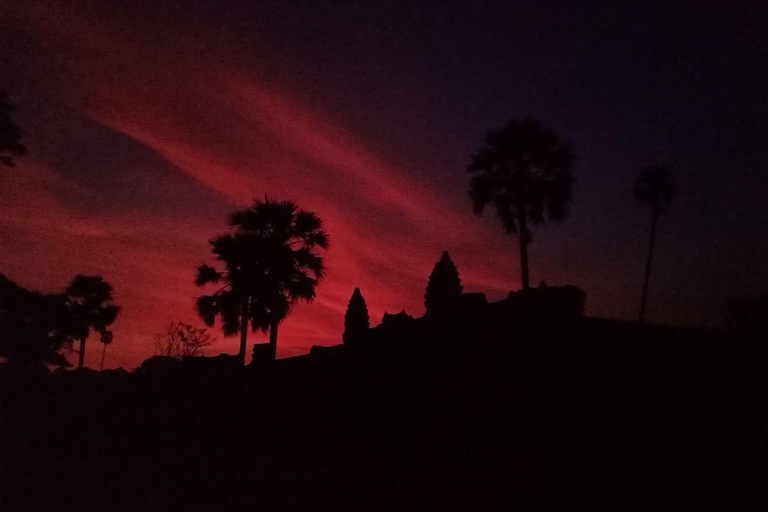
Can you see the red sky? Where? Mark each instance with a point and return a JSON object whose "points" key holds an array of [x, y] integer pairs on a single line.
{"points": [[146, 129], [237, 136]]}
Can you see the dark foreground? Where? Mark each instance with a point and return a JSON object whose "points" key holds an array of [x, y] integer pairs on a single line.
{"points": [[598, 416]]}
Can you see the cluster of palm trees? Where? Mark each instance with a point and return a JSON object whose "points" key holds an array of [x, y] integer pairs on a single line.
{"points": [[523, 170], [90, 301], [34, 326], [268, 262]]}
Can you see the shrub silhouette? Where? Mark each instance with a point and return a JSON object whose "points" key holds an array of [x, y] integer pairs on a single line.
{"points": [[443, 288], [524, 171], [655, 188], [180, 340], [356, 321], [10, 134], [89, 299], [270, 262]]}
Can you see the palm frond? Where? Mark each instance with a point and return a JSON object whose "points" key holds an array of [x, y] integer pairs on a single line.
{"points": [[207, 274], [305, 223], [90, 289], [301, 287], [207, 307], [318, 238], [230, 322], [524, 171], [106, 316], [306, 259]]}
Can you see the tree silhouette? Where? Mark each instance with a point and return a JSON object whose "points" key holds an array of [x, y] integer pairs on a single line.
{"points": [[655, 188], [248, 296], [270, 262], [524, 171], [10, 134], [356, 321], [105, 339], [181, 340], [33, 326], [444, 288], [91, 305]]}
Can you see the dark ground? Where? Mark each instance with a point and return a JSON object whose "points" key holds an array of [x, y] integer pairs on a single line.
{"points": [[597, 416]]}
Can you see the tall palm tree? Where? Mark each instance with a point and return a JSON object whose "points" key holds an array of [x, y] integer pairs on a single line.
{"points": [[524, 171], [247, 296], [270, 262], [106, 339], [92, 308], [656, 188]]}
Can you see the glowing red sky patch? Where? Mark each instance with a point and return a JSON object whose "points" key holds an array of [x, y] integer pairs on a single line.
{"points": [[239, 139]]}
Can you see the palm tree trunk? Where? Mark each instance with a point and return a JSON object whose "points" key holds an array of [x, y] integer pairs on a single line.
{"points": [[522, 237], [81, 358], [648, 266], [103, 352], [243, 333], [273, 340]]}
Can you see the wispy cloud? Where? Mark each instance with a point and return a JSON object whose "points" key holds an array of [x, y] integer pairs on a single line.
{"points": [[239, 137]]}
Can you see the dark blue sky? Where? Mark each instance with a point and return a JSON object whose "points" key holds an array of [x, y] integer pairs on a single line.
{"points": [[684, 84]]}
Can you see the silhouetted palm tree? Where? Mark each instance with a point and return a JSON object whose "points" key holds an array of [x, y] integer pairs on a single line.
{"points": [[656, 188], [523, 171], [248, 295], [270, 262], [90, 302], [106, 339], [10, 134]]}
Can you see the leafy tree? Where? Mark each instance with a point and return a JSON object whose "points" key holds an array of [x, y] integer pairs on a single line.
{"points": [[10, 134], [179, 340], [33, 326], [356, 320], [270, 262], [92, 308], [444, 288], [524, 171], [656, 188]]}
